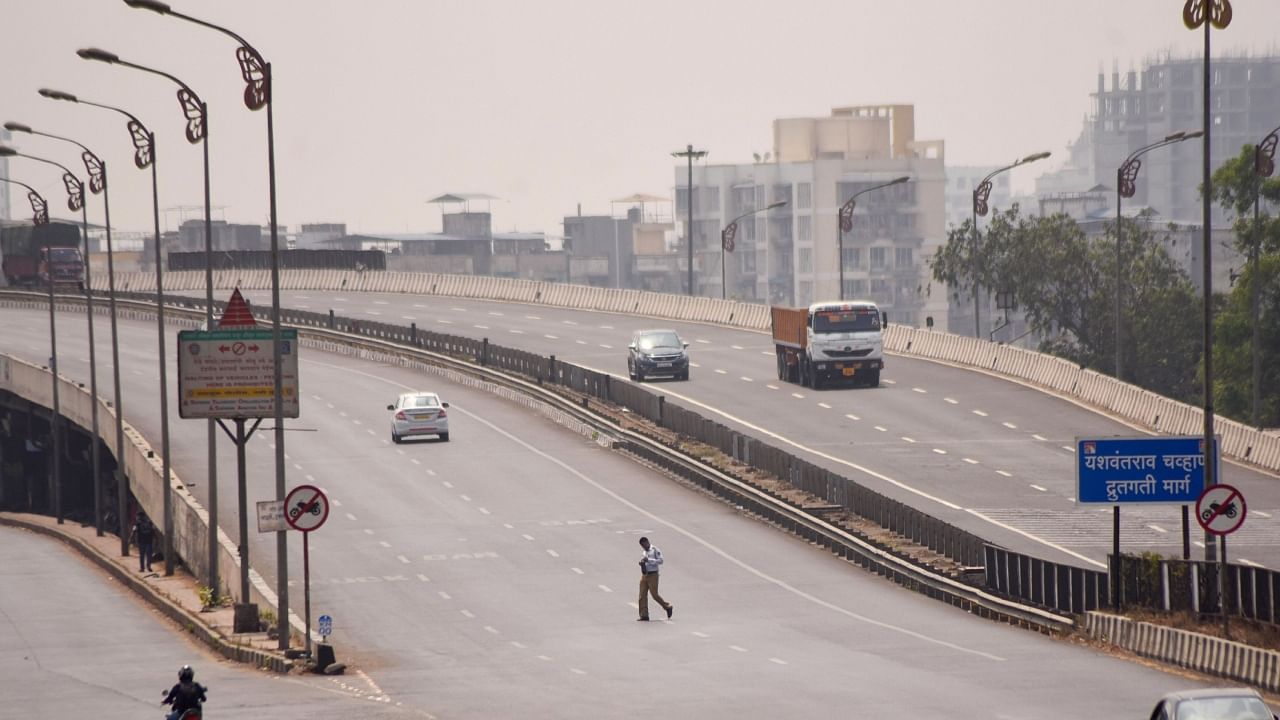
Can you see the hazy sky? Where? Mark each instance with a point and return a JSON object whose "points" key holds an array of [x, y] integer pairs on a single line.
{"points": [[381, 105]]}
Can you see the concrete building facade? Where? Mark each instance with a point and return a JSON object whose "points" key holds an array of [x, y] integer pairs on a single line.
{"points": [[791, 255]]}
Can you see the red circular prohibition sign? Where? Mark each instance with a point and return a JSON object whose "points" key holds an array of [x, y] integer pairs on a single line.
{"points": [[1221, 509], [306, 508]]}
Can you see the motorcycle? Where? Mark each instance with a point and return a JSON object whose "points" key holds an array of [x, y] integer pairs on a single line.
{"points": [[298, 509], [1229, 511], [189, 714]]}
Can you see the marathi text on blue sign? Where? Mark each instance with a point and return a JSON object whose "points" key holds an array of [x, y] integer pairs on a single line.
{"points": [[1140, 470]]}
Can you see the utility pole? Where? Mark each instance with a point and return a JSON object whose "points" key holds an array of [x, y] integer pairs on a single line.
{"points": [[690, 154]]}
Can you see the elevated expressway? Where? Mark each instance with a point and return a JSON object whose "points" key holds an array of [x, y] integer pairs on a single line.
{"points": [[494, 575]]}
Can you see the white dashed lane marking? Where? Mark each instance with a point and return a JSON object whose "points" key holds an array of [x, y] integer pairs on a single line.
{"points": [[1006, 474], [853, 417], [1009, 425], [979, 413], [952, 401]]}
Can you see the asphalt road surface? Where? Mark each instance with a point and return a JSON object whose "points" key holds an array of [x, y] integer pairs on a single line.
{"points": [[991, 456], [495, 576]]}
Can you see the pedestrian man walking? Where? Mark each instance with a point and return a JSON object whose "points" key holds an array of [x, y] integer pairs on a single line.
{"points": [[144, 533], [650, 562]]}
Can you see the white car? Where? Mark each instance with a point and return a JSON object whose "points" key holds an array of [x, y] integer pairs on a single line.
{"points": [[419, 413]]}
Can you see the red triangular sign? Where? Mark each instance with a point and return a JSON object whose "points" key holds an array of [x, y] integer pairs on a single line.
{"points": [[237, 313]]}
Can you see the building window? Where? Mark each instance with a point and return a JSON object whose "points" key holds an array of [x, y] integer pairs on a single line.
{"points": [[806, 293], [854, 289], [747, 262], [708, 200], [804, 196], [804, 228], [682, 200], [880, 291], [852, 258], [805, 260], [878, 258], [902, 258]]}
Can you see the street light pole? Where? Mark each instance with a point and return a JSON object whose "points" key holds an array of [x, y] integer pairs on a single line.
{"points": [[197, 131], [1264, 165], [97, 183], [980, 195], [690, 154], [728, 233], [844, 223], [1126, 175], [75, 201], [143, 156], [256, 73]]}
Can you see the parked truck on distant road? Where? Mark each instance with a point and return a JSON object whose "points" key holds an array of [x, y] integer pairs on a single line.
{"points": [[829, 342], [35, 255]]}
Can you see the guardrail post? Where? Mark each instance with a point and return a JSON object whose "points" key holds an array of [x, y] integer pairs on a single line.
{"points": [[413, 334], [484, 352], [551, 370], [330, 318], [662, 405]]}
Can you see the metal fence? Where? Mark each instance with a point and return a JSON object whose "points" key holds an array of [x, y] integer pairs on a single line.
{"points": [[1065, 588], [1174, 585]]}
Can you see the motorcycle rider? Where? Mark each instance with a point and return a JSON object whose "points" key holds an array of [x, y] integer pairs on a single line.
{"points": [[186, 695]]}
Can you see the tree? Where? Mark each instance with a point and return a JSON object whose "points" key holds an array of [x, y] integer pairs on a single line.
{"points": [[1065, 283], [1236, 186]]}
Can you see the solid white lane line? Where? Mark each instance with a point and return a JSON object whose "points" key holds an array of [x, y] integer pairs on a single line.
{"points": [[568, 322]]}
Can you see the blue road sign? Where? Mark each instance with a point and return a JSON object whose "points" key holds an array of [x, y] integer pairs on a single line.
{"points": [[326, 625], [1150, 470]]}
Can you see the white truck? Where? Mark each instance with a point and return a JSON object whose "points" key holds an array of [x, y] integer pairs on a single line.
{"points": [[829, 342]]}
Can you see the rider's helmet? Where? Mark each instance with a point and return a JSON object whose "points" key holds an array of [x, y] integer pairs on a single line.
{"points": [[186, 674]]}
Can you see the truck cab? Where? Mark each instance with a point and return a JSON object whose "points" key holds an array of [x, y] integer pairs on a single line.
{"points": [[830, 342]]}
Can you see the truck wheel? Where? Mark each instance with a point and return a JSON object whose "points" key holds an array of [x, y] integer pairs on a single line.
{"points": [[804, 372], [873, 378], [782, 365]]}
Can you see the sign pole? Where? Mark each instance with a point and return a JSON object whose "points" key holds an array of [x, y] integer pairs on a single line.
{"points": [[1222, 584], [244, 510], [1186, 535], [306, 585], [1115, 555]]}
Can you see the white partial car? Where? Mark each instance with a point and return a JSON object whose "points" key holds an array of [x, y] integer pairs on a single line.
{"points": [[419, 413]]}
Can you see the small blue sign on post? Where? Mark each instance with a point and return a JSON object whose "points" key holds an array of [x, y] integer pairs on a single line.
{"points": [[1145, 470], [326, 626]]}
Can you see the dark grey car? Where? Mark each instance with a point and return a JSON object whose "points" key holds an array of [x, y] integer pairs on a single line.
{"points": [[657, 353], [1212, 704]]}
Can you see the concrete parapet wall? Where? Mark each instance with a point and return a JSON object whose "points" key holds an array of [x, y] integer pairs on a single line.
{"points": [[1203, 653], [1139, 407]]}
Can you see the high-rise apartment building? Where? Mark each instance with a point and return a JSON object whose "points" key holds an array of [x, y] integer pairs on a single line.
{"points": [[791, 254]]}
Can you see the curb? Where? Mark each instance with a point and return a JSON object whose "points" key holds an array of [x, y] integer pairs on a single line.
{"points": [[191, 622], [1183, 648]]}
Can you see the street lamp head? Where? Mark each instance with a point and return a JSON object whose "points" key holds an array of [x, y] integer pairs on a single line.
{"points": [[1033, 158], [6, 151], [152, 5], [99, 55], [1192, 135], [780, 203], [899, 181], [1180, 135], [17, 127], [58, 95]]}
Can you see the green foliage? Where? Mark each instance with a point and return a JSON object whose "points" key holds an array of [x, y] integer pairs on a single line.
{"points": [[1065, 283], [208, 597]]}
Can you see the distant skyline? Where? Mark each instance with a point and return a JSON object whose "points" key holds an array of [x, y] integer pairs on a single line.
{"points": [[382, 105]]}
